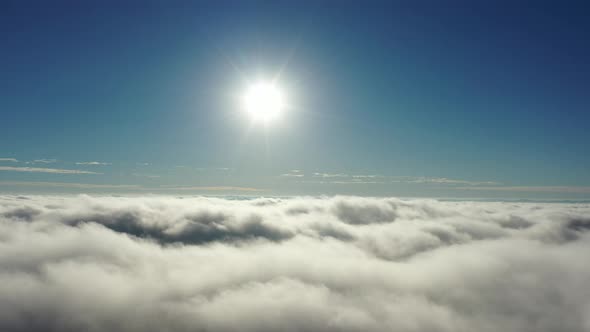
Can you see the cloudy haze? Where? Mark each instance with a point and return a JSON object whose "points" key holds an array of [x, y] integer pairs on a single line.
{"points": [[83, 263]]}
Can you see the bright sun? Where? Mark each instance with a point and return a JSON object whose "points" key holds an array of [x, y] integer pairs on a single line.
{"points": [[264, 101]]}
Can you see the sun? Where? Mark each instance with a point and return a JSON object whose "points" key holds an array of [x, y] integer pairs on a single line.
{"points": [[264, 101]]}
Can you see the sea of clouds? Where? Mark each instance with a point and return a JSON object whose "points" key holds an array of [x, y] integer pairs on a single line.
{"points": [[83, 263]]}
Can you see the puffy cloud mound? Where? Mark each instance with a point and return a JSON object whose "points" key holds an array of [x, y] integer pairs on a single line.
{"points": [[301, 264]]}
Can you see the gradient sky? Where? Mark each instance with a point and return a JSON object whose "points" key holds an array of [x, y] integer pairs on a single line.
{"points": [[408, 98]]}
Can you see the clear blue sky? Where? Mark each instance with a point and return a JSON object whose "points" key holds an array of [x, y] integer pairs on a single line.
{"points": [[411, 98]]}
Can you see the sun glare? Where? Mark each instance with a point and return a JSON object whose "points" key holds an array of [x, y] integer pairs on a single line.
{"points": [[263, 101]]}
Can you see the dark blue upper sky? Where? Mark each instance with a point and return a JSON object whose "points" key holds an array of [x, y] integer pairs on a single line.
{"points": [[420, 97]]}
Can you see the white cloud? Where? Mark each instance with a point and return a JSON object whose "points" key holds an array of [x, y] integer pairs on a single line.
{"points": [[143, 175], [538, 189], [209, 188], [301, 264], [342, 178], [330, 175], [44, 161], [45, 170], [9, 159], [356, 181], [293, 175], [443, 181], [67, 185], [93, 163]]}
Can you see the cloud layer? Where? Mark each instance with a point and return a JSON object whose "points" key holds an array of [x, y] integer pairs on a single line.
{"points": [[302, 264]]}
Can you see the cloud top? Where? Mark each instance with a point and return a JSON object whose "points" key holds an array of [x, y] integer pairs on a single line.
{"points": [[302, 264]]}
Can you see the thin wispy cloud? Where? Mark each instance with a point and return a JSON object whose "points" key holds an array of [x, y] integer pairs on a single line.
{"points": [[210, 188], [68, 185], [537, 189], [330, 175], [130, 187], [142, 175], [43, 161], [342, 178], [292, 175], [366, 176], [447, 181], [355, 181], [93, 163], [204, 169], [45, 170]]}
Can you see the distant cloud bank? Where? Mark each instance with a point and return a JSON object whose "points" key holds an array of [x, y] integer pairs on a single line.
{"points": [[82, 263]]}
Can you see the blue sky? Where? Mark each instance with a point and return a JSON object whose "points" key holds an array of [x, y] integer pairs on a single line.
{"points": [[421, 98]]}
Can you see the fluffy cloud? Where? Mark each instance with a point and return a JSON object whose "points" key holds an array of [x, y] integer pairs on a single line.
{"points": [[301, 264]]}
